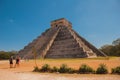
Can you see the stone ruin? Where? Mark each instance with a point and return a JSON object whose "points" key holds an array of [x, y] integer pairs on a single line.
{"points": [[60, 41]]}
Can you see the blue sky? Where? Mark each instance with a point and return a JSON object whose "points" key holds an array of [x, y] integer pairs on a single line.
{"points": [[21, 21]]}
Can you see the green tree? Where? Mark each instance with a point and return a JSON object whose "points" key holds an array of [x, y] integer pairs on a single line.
{"points": [[6, 55], [116, 42], [112, 50]]}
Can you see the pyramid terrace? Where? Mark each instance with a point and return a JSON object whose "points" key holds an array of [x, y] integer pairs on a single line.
{"points": [[60, 41]]}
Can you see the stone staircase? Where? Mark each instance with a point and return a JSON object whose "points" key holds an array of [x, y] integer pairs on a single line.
{"points": [[60, 41], [39, 44], [81, 43], [50, 42], [65, 46], [94, 49]]}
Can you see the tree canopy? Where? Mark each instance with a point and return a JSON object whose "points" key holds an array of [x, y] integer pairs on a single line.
{"points": [[113, 49], [6, 55]]}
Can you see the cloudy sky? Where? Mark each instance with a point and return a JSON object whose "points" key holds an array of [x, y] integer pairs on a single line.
{"points": [[21, 21]]}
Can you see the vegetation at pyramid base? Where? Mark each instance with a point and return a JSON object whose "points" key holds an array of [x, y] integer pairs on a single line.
{"points": [[112, 50], [6, 55], [36, 69], [102, 69], [84, 69], [65, 69], [45, 68], [54, 69], [116, 70]]}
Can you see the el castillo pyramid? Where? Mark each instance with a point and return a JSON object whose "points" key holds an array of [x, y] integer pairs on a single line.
{"points": [[60, 41]]}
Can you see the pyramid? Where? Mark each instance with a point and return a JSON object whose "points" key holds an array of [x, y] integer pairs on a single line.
{"points": [[60, 41]]}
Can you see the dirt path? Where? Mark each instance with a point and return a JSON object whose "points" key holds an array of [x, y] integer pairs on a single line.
{"points": [[11, 75]]}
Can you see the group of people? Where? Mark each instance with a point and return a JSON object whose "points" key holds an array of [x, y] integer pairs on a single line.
{"points": [[17, 63]]}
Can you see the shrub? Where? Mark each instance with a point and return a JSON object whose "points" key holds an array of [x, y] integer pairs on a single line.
{"points": [[71, 70], [116, 70], [36, 69], [45, 68], [54, 69], [63, 68], [85, 69], [102, 69]]}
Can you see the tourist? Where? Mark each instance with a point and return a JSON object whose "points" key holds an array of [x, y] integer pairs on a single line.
{"points": [[17, 61], [11, 61]]}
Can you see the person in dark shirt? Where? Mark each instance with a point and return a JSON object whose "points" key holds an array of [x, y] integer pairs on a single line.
{"points": [[11, 61], [17, 61]]}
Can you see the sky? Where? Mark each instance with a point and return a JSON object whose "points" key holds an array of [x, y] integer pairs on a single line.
{"points": [[22, 21]]}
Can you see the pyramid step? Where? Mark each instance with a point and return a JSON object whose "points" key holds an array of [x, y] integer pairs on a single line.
{"points": [[60, 41], [67, 55], [68, 45], [66, 49], [49, 43], [64, 38]]}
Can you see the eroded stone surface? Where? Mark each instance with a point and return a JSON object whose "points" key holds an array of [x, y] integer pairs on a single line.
{"points": [[60, 41]]}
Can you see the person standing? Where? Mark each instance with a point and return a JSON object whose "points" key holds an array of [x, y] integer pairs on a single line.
{"points": [[11, 61], [17, 61]]}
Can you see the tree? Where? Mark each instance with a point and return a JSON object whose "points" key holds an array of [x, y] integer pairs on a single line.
{"points": [[6, 55], [112, 50], [106, 49], [116, 42], [35, 55]]}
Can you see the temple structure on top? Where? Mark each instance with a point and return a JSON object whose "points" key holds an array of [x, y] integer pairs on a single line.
{"points": [[60, 41], [61, 22]]}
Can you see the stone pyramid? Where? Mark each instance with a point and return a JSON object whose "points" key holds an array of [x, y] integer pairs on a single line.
{"points": [[60, 41]]}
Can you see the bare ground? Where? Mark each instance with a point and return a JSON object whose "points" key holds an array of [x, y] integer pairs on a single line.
{"points": [[24, 72], [10, 75]]}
